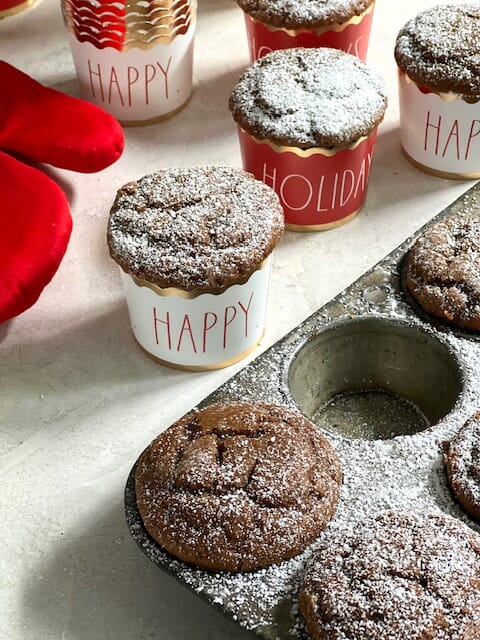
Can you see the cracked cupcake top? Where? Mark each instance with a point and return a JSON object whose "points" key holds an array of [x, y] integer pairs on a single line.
{"points": [[439, 48], [397, 576], [309, 98], [194, 227], [238, 486]]}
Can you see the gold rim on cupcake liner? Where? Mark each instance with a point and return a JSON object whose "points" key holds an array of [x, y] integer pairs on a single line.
{"points": [[447, 97], [156, 119], [195, 293], [27, 4], [440, 174], [145, 24], [206, 367], [312, 151], [305, 228], [338, 27]]}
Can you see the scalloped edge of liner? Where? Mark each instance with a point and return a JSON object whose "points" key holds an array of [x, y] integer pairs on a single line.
{"points": [[338, 27], [194, 293], [447, 97], [311, 151], [133, 43]]}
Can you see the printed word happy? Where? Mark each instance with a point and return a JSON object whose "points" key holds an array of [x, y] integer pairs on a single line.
{"points": [[200, 332], [446, 136], [129, 85]]}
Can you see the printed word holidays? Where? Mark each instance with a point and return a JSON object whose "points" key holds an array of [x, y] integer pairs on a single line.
{"points": [[202, 332], [320, 193], [355, 48], [131, 86], [457, 138]]}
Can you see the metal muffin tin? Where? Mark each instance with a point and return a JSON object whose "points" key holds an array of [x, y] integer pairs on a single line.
{"points": [[403, 384]]}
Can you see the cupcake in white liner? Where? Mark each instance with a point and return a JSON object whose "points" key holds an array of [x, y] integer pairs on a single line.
{"points": [[194, 247], [439, 90]]}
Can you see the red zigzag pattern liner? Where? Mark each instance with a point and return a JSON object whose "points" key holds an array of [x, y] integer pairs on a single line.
{"points": [[123, 27]]}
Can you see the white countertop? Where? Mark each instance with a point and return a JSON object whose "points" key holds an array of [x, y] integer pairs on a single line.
{"points": [[79, 400]]}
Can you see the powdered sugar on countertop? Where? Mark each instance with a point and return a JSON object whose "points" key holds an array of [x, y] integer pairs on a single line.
{"points": [[403, 473], [309, 98]]}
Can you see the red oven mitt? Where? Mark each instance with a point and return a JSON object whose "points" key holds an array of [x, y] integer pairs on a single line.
{"points": [[35, 225], [46, 125], [42, 125]]}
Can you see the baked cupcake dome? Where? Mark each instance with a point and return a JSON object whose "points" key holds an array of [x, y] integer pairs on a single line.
{"points": [[238, 486], [443, 270], [303, 14], [309, 98], [194, 227], [462, 462], [397, 576]]}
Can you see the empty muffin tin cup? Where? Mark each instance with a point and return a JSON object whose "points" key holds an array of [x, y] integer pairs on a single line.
{"points": [[351, 36], [374, 379], [319, 188], [439, 132], [199, 330]]}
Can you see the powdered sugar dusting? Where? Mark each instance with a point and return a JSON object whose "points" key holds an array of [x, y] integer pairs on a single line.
{"points": [[439, 48], [238, 486], [401, 575], [197, 227], [443, 270], [463, 458], [404, 473], [297, 14], [309, 98]]}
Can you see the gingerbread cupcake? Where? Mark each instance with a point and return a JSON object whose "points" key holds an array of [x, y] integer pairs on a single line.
{"points": [[462, 461], [439, 90], [238, 486], [283, 24], [307, 122], [397, 576], [194, 247], [443, 271]]}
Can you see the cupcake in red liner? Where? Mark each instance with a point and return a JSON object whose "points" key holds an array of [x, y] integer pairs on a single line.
{"points": [[439, 90], [307, 123], [283, 24], [194, 247]]}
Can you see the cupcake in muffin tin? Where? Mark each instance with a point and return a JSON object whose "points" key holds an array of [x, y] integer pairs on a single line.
{"points": [[397, 575], [238, 486], [281, 24]]}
